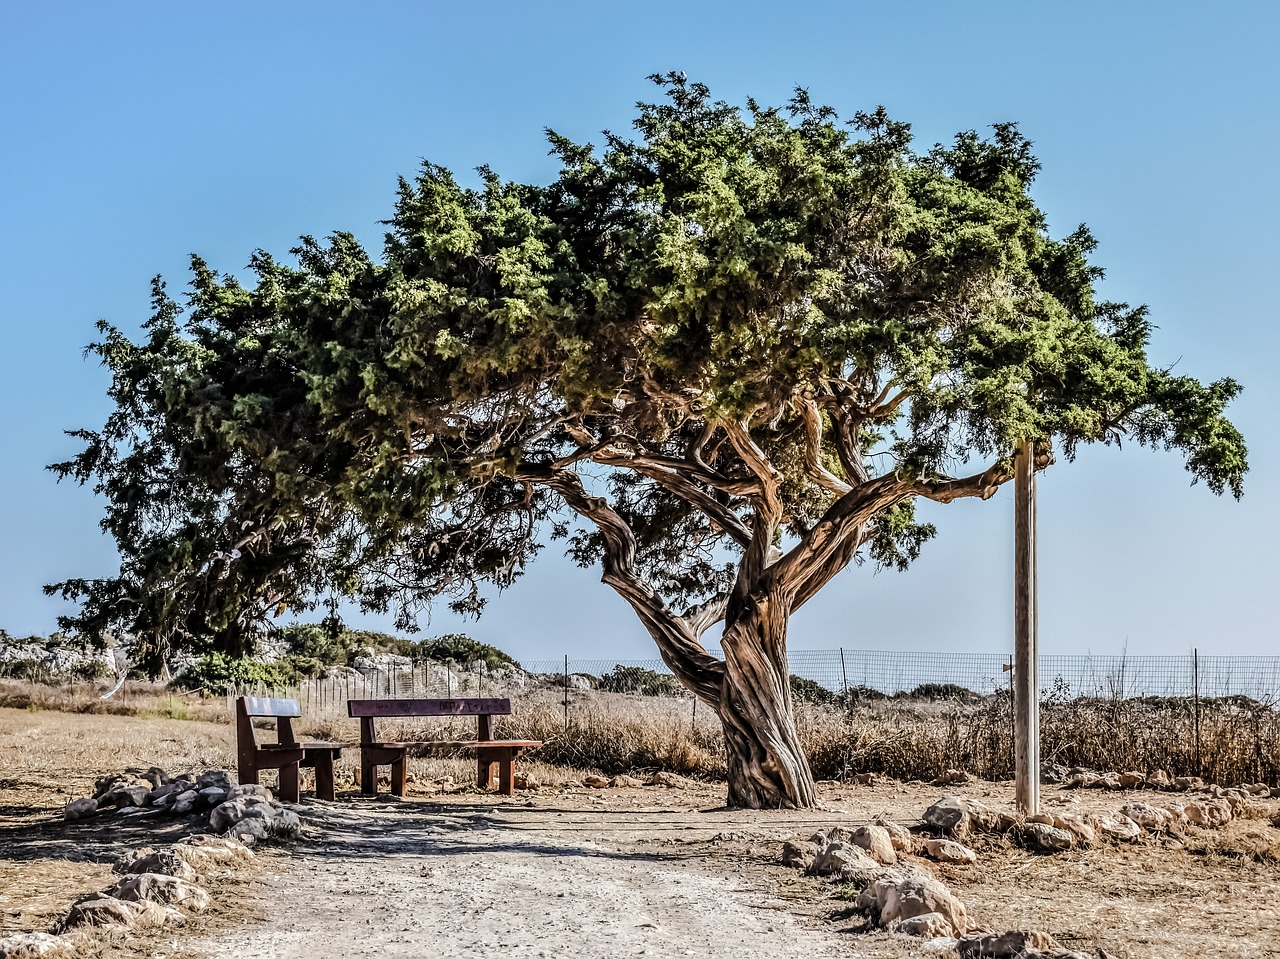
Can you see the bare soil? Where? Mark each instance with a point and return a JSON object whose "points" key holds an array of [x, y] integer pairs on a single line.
{"points": [[568, 870]]}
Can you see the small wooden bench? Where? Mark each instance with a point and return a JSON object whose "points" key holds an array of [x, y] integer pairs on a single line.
{"points": [[375, 752], [286, 753]]}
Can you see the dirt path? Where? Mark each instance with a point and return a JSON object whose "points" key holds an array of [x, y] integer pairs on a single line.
{"points": [[530, 882]]}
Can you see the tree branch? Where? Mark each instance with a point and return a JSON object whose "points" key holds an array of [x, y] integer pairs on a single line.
{"points": [[813, 450], [679, 646]]}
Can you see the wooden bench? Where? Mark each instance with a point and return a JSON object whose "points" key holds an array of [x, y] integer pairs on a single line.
{"points": [[286, 753], [375, 752]]}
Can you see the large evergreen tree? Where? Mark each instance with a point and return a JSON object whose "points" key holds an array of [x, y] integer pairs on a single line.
{"points": [[722, 358]]}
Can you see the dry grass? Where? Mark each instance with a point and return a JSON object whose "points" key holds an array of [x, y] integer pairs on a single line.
{"points": [[608, 733]]}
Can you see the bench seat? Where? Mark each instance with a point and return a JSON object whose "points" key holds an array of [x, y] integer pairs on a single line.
{"points": [[488, 751]]}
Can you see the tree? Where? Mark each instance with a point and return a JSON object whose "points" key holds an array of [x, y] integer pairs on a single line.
{"points": [[722, 358]]}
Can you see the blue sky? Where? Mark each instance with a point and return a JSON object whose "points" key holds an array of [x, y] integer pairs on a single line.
{"points": [[135, 134]]}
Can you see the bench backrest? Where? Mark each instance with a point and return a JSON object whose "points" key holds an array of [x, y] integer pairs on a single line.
{"points": [[428, 707], [283, 711], [262, 706]]}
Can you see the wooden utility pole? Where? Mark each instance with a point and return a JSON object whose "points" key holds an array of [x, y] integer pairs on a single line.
{"points": [[1026, 666]]}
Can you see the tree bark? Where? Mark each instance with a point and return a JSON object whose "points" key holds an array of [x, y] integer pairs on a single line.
{"points": [[767, 768]]}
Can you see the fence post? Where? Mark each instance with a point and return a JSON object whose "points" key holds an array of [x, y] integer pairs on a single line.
{"points": [[566, 693], [1195, 685], [844, 684]]}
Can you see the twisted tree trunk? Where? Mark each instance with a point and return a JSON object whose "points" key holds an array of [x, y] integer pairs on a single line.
{"points": [[767, 768]]}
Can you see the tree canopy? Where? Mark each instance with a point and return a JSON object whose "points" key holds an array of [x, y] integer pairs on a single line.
{"points": [[722, 356]]}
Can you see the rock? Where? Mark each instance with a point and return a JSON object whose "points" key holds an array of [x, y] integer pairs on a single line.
{"points": [[525, 781], [844, 861], [952, 777], [1132, 780], [1053, 773], [899, 835], [168, 791], [1187, 783], [286, 825], [625, 782], [799, 854], [877, 842], [246, 790], [103, 786], [126, 795], [1081, 830], [211, 796], [595, 782], [1109, 781], [824, 837], [865, 779], [32, 945], [226, 815], [1147, 816], [1118, 827], [156, 776], [1159, 779], [946, 850], [100, 909], [1004, 945], [958, 816], [213, 856], [249, 831], [891, 899], [1079, 780], [165, 862], [1043, 817], [159, 888], [77, 809], [1177, 813], [669, 780], [1208, 812], [185, 802], [213, 777], [1037, 835], [931, 925]]}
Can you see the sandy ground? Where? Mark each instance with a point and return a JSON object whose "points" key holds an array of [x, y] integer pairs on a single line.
{"points": [[541, 881]]}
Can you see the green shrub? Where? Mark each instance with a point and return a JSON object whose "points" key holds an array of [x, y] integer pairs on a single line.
{"points": [[461, 649], [638, 679], [941, 691], [218, 673], [807, 691]]}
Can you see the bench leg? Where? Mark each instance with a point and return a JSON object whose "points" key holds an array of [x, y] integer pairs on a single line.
{"points": [[484, 770], [506, 781], [324, 775], [248, 773], [368, 774], [397, 775], [289, 783]]}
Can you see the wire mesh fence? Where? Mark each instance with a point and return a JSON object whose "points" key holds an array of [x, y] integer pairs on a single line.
{"points": [[845, 673]]}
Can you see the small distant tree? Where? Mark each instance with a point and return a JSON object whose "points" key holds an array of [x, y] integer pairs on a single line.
{"points": [[722, 359], [461, 649]]}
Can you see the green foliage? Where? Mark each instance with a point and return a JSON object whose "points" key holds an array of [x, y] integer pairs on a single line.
{"points": [[750, 329], [638, 679], [217, 672], [807, 691], [941, 691], [460, 649]]}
